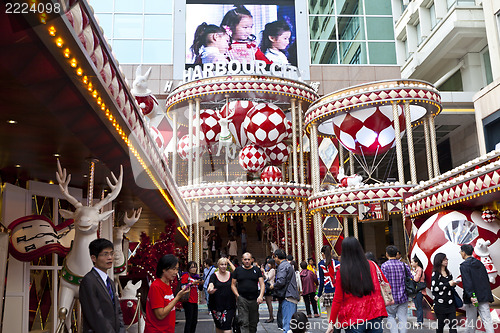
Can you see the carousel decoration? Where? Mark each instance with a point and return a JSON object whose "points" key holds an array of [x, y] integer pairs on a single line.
{"points": [[120, 244], [251, 112], [146, 100], [130, 303]]}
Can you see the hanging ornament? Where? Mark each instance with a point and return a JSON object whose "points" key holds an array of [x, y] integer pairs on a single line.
{"points": [[265, 125], [488, 215], [252, 158], [271, 174]]}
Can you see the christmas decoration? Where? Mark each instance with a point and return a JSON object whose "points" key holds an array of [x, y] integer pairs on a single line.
{"points": [[271, 174], [252, 158], [278, 154], [265, 125]]}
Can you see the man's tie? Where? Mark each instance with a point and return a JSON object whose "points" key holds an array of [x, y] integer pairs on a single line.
{"points": [[110, 290]]}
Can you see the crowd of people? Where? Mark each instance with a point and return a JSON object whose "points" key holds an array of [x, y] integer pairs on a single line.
{"points": [[353, 290]]}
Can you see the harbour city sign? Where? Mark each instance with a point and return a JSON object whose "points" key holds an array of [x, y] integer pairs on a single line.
{"points": [[235, 67]]}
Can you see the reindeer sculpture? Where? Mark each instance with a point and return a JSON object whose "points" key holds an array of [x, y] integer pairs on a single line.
{"points": [[120, 261], [146, 100], [86, 221], [131, 308], [225, 136]]}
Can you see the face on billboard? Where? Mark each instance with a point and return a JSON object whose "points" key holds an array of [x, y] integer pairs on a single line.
{"points": [[225, 33]]}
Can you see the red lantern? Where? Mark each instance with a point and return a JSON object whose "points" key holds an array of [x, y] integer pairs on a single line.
{"points": [[252, 158], [271, 174], [265, 125]]}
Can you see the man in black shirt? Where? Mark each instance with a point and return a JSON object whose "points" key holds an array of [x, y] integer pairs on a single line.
{"points": [[248, 296]]}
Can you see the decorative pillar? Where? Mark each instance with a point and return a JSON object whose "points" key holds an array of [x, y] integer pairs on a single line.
{"points": [[351, 163], [346, 226], [91, 180], [435, 161], [286, 233], [399, 146], [318, 230], [299, 232], [174, 138], [428, 151], [197, 232], [341, 156], [304, 228], [355, 226], [190, 142], [197, 181], [409, 137], [198, 159], [190, 232], [292, 233]]}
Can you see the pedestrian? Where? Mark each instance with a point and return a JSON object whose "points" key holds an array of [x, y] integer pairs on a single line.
{"points": [[269, 282], [207, 273], [396, 271], [285, 285], [222, 304], [246, 281], [213, 246], [358, 305], [477, 291], [371, 256], [309, 285], [192, 279], [418, 276], [99, 302], [299, 323], [243, 240], [160, 305], [297, 276], [232, 247], [311, 265], [442, 289], [327, 269]]}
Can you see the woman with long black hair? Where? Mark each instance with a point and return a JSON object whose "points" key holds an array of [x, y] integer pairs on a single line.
{"points": [[418, 276], [442, 289], [358, 305]]}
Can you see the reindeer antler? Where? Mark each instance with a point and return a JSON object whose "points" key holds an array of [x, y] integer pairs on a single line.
{"points": [[63, 179], [129, 221], [115, 189]]}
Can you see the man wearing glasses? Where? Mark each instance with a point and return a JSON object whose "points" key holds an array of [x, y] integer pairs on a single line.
{"points": [[99, 301]]}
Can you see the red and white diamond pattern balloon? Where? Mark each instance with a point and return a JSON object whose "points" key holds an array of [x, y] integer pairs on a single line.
{"points": [[265, 125], [288, 129], [271, 174], [278, 154], [369, 131], [209, 126], [157, 136], [239, 109], [183, 147], [252, 158], [488, 215]]}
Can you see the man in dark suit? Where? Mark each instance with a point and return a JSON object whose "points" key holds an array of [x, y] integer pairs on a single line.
{"points": [[99, 301]]}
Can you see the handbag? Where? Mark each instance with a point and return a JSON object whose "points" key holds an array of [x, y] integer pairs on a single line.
{"points": [[410, 284], [385, 288], [456, 298]]}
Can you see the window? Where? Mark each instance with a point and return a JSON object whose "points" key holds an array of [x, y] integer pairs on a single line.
{"points": [[140, 31], [419, 33], [486, 64], [432, 13]]}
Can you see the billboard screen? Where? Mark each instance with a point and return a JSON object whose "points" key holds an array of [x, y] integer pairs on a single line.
{"points": [[221, 33]]}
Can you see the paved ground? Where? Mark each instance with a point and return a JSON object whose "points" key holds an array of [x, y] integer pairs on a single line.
{"points": [[317, 325]]}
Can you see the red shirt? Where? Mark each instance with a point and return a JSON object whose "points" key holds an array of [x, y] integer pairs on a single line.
{"points": [[193, 293], [351, 309], [159, 296]]}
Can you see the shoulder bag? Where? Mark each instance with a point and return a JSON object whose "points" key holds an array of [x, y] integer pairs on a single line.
{"points": [[385, 288], [410, 284]]}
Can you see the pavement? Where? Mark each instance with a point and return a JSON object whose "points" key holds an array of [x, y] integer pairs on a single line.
{"points": [[316, 325]]}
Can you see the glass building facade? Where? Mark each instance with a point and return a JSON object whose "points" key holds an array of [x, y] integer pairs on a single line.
{"points": [[340, 32]]}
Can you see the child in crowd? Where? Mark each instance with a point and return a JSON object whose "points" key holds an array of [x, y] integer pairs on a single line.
{"points": [[238, 23], [210, 44], [275, 40]]}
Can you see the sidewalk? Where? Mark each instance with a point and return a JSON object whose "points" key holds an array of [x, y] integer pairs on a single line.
{"points": [[317, 325]]}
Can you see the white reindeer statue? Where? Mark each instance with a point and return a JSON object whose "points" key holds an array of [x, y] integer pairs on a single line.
{"points": [[225, 136], [146, 100], [131, 309], [121, 247], [352, 180], [86, 221]]}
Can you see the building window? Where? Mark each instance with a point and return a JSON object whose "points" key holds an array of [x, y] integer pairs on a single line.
{"points": [[486, 64], [342, 32], [432, 13], [419, 33], [139, 31]]}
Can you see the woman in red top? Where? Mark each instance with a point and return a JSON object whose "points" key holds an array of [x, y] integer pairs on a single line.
{"points": [[190, 306], [161, 301], [358, 305]]}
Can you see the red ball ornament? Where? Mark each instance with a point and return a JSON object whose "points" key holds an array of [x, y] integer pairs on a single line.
{"points": [[488, 215], [271, 174], [157, 137], [252, 158], [183, 148], [238, 111], [265, 125], [209, 126], [289, 127], [278, 154], [368, 131]]}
